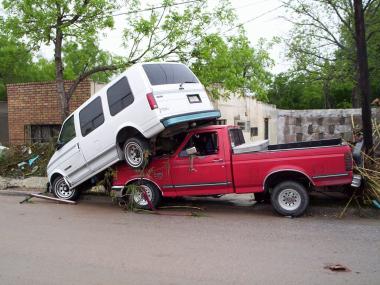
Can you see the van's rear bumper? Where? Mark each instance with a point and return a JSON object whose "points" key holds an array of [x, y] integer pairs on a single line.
{"points": [[191, 117]]}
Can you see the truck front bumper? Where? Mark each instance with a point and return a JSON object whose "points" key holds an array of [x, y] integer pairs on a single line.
{"points": [[191, 117], [356, 181]]}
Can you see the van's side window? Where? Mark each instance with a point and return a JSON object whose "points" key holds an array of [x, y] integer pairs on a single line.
{"points": [[68, 131], [119, 96], [91, 117]]}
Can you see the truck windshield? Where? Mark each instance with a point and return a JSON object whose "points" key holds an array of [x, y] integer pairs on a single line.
{"points": [[161, 74], [237, 137]]}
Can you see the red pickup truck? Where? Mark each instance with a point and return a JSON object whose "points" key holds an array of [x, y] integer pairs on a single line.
{"points": [[215, 160]]}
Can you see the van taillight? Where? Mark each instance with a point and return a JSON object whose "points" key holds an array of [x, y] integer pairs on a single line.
{"points": [[348, 161], [152, 101]]}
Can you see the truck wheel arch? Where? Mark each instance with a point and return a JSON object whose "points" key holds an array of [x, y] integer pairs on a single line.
{"points": [[144, 179], [278, 176]]}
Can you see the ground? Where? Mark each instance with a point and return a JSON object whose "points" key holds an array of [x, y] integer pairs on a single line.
{"points": [[232, 242]]}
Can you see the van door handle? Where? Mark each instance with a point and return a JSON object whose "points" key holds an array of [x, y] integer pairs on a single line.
{"points": [[217, 160]]}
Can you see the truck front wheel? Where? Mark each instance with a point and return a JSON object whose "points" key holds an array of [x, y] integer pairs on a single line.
{"points": [[290, 198], [139, 191]]}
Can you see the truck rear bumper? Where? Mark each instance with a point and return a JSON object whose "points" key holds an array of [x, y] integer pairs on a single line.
{"points": [[198, 116], [356, 181]]}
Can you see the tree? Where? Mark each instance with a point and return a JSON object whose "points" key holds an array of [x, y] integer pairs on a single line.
{"points": [[362, 59], [17, 63], [324, 34], [233, 65], [60, 22], [165, 32]]}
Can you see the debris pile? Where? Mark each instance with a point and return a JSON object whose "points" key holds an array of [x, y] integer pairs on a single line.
{"points": [[23, 161]]}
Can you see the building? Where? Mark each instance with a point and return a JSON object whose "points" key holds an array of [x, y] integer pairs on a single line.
{"points": [[258, 120], [3, 123], [34, 110]]}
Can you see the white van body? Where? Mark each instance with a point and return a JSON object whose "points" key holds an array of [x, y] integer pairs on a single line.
{"points": [[145, 100]]}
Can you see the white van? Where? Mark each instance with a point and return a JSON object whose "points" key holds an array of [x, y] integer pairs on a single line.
{"points": [[120, 121]]}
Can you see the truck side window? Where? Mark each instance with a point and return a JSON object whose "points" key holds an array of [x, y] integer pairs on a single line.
{"points": [[91, 116], [205, 143], [119, 96], [67, 131]]}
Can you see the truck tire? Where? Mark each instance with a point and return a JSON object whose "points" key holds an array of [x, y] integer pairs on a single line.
{"points": [[136, 152], [62, 191], [290, 198], [138, 199]]}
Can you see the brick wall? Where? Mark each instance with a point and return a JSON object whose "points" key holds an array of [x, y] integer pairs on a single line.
{"points": [[38, 104]]}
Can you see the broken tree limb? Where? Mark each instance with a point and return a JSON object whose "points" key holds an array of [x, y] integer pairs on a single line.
{"points": [[39, 195]]}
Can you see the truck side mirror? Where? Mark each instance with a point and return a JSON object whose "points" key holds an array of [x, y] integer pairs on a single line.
{"points": [[191, 151]]}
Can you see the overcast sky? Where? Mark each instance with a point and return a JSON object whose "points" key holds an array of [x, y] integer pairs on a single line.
{"points": [[261, 18]]}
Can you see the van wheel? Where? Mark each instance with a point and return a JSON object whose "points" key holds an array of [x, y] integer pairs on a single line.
{"points": [[62, 191], [136, 152], [290, 199], [138, 198]]}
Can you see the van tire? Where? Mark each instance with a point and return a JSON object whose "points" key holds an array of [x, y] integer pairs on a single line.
{"points": [[61, 190], [136, 152], [290, 198]]}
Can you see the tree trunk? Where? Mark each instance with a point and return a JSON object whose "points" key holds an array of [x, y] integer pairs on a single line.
{"points": [[65, 111], [326, 93], [355, 95], [362, 58]]}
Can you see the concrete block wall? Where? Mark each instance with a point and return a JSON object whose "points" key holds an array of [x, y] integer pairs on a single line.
{"points": [[307, 125], [37, 103]]}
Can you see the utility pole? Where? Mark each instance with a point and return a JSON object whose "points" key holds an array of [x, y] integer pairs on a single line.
{"points": [[362, 58]]}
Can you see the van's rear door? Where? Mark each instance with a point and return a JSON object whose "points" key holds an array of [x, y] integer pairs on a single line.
{"points": [[176, 89], [175, 99]]}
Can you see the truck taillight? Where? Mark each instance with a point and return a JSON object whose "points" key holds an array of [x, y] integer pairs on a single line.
{"points": [[152, 101], [348, 161]]}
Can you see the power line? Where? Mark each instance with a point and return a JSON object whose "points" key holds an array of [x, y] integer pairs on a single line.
{"points": [[253, 19], [154, 8]]}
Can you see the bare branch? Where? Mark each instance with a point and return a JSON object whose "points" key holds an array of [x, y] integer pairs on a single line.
{"points": [[87, 74]]}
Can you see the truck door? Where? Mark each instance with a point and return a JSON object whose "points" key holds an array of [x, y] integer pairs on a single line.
{"points": [[204, 173]]}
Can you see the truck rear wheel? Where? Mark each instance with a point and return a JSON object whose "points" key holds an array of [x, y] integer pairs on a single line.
{"points": [[136, 152], [290, 198]]}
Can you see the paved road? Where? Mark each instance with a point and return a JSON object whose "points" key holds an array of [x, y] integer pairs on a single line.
{"points": [[95, 242]]}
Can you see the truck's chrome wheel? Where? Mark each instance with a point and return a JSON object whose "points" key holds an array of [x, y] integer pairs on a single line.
{"points": [[289, 199], [138, 197], [134, 154]]}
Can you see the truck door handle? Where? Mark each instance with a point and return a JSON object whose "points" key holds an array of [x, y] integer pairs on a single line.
{"points": [[217, 160]]}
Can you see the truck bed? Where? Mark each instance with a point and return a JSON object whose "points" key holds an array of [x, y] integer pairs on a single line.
{"points": [[306, 144]]}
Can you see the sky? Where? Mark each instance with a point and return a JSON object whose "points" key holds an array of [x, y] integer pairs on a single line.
{"points": [[261, 18]]}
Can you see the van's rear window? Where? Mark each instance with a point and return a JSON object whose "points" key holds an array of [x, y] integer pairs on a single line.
{"points": [[161, 73]]}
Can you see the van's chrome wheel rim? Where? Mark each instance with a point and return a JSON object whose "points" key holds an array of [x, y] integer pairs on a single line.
{"points": [[138, 197], [134, 154], [62, 190], [289, 199]]}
